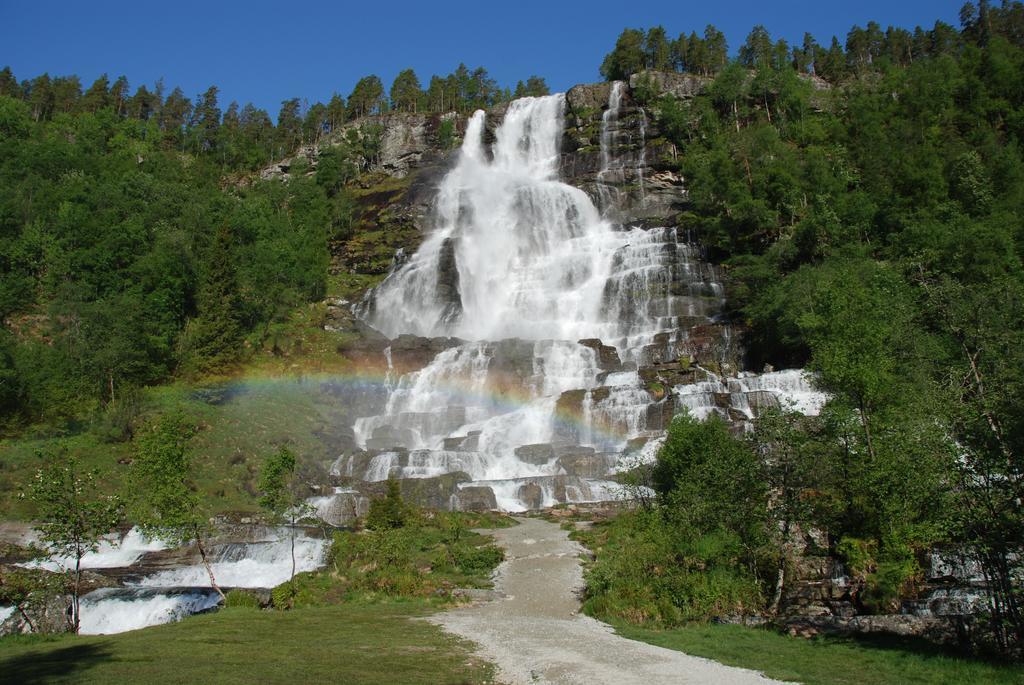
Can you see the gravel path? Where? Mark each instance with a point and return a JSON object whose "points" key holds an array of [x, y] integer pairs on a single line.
{"points": [[535, 635]]}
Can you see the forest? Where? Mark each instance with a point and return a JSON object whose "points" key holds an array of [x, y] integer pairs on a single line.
{"points": [[133, 249], [872, 227]]}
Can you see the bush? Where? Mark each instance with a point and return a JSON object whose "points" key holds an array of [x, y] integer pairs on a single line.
{"points": [[282, 596], [646, 572], [475, 560], [242, 599], [389, 511]]}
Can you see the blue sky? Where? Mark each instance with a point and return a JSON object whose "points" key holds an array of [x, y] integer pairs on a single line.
{"points": [[265, 52]]}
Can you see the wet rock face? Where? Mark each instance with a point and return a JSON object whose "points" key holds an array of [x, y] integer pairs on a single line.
{"points": [[475, 498], [536, 454], [531, 495], [411, 353], [607, 356]]}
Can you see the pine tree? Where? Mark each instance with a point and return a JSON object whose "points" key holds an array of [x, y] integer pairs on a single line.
{"points": [[214, 337]]}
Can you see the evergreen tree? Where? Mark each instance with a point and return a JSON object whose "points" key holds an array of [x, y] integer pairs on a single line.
{"points": [[214, 336], [366, 98], [405, 91], [627, 58], [97, 97]]}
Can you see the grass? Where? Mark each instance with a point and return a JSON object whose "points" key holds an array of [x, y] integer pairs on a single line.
{"points": [[429, 558], [624, 591], [240, 422], [350, 643], [825, 660]]}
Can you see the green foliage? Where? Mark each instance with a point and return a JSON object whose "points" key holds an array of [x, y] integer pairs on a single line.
{"points": [[28, 590], [241, 599], [389, 511], [697, 552], [648, 571], [275, 482], [167, 505], [431, 555], [73, 515], [446, 134], [708, 482]]}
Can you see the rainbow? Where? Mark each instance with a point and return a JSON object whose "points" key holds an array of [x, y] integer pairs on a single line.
{"points": [[500, 395]]}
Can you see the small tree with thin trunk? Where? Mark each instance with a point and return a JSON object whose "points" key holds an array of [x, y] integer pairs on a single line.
{"points": [[168, 505], [73, 517], [279, 496], [28, 589]]}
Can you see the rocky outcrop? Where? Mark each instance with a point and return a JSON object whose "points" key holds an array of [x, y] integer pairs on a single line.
{"points": [[681, 85], [607, 356]]}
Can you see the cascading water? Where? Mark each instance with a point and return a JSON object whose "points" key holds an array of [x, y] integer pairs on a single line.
{"points": [[169, 594], [526, 268], [566, 317]]}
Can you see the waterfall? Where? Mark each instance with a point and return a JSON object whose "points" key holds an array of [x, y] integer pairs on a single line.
{"points": [[609, 129], [560, 306]]}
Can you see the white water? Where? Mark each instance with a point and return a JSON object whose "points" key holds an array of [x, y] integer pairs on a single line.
{"points": [[790, 389], [524, 267], [111, 611], [247, 565], [171, 594], [113, 552]]}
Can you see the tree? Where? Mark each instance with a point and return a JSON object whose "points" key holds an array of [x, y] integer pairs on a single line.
{"points": [[627, 58], [792, 467], [167, 504], [366, 98], [658, 49], [214, 336], [98, 95], [205, 122], [335, 112], [73, 516], [756, 52], [289, 125], [315, 123], [983, 327], [279, 496], [717, 49], [390, 511], [119, 95], [535, 86], [709, 481], [405, 91]]}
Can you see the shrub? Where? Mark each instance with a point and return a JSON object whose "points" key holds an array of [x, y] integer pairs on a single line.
{"points": [[389, 511], [241, 598]]}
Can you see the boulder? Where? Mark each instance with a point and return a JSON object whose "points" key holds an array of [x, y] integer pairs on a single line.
{"points": [[475, 498], [582, 100], [538, 454], [342, 508], [531, 495], [389, 437], [49, 616], [607, 356], [583, 462]]}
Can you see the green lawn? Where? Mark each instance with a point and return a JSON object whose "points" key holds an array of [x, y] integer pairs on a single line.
{"points": [[379, 643], [830, 661]]}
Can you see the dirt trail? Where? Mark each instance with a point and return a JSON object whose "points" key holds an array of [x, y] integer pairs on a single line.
{"points": [[535, 635]]}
